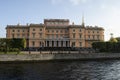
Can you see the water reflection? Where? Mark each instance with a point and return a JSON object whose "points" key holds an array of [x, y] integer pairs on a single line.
{"points": [[68, 70]]}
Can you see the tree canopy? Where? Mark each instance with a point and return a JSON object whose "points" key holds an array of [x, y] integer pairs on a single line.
{"points": [[10, 44], [107, 46]]}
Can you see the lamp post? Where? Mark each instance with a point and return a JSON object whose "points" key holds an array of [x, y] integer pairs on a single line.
{"points": [[111, 35], [41, 47]]}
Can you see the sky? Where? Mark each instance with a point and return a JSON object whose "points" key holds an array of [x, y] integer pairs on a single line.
{"points": [[102, 13]]}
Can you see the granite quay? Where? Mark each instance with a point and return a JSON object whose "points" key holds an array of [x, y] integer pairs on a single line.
{"points": [[60, 56]]}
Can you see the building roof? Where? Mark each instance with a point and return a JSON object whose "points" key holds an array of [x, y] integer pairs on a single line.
{"points": [[17, 26], [53, 27], [56, 20], [36, 25], [76, 26], [65, 24], [94, 28]]}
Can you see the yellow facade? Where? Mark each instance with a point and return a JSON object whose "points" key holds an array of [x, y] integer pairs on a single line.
{"points": [[56, 33]]}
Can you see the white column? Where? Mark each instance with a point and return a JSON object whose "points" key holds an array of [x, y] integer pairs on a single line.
{"points": [[64, 43], [55, 43], [45, 43], [50, 43], [59, 43], [67, 43]]}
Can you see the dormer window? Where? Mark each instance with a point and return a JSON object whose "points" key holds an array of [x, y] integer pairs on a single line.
{"points": [[40, 29], [73, 30], [33, 29]]}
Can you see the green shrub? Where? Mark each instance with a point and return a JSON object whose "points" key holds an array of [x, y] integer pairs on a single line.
{"points": [[107, 46]]}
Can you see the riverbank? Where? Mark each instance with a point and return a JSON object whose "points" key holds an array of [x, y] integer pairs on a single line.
{"points": [[60, 56]]}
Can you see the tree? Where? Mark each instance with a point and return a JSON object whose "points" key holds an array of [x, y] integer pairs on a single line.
{"points": [[118, 39], [5, 44], [107, 46], [113, 40], [101, 46], [19, 43], [15, 44], [23, 43]]}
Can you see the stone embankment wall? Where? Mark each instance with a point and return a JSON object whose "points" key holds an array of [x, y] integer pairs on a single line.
{"points": [[60, 56]]}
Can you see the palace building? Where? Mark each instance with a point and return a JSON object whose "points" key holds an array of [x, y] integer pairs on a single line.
{"points": [[56, 33]]}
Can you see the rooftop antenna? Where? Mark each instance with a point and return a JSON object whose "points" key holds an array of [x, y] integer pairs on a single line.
{"points": [[18, 24], [83, 24], [72, 23], [111, 35]]}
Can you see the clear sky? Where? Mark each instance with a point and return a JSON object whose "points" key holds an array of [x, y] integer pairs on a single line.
{"points": [[103, 13]]}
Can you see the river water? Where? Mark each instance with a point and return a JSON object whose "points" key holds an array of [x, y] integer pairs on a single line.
{"points": [[61, 70]]}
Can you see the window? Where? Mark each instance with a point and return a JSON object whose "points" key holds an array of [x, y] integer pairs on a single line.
{"points": [[18, 35], [97, 31], [73, 44], [52, 31], [33, 43], [18, 30], [80, 30], [13, 30], [33, 35], [40, 35], [56, 31], [80, 35], [88, 36], [74, 35], [12, 35], [93, 31], [80, 44], [23, 30]]}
